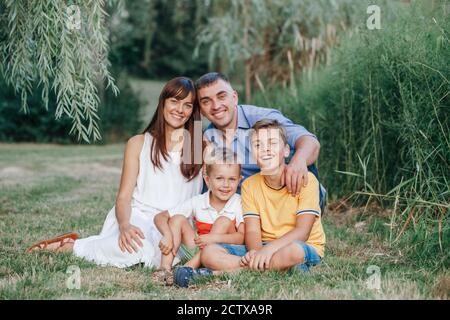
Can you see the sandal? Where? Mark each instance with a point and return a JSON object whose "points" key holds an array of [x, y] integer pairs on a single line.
{"points": [[169, 278], [62, 239]]}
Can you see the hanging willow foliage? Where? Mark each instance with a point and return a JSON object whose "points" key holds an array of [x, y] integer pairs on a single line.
{"points": [[60, 46]]}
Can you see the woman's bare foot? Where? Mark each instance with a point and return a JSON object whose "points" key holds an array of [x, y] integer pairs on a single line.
{"points": [[65, 246]]}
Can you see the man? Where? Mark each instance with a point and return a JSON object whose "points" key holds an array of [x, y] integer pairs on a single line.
{"points": [[231, 124]]}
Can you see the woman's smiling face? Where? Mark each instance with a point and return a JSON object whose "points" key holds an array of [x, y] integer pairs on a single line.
{"points": [[177, 112]]}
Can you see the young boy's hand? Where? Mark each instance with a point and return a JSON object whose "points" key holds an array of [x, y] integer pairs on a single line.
{"points": [[203, 240], [166, 245], [261, 260], [245, 260]]}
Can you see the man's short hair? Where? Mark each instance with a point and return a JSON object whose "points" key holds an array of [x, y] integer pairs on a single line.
{"points": [[208, 79], [269, 124], [220, 156]]}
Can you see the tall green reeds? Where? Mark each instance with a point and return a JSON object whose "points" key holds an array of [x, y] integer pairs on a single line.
{"points": [[381, 111]]}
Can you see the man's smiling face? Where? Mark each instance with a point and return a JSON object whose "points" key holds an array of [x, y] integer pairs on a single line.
{"points": [[217, 103]]}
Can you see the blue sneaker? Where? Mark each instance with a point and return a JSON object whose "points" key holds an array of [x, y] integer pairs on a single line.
{"points": [[183, 276]]}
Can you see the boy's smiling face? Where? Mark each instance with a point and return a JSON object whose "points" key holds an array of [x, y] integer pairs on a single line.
{"points": [[223, 180], [269, 150]]}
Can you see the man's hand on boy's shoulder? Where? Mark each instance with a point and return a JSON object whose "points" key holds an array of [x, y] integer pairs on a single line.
{"points": [[295, 175]]}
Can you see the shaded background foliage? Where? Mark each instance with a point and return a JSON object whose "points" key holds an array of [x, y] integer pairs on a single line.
{"points": [[120, 117], [259, 44]]}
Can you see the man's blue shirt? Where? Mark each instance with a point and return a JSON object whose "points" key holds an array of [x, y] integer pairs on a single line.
{"points": [[247, 116]]}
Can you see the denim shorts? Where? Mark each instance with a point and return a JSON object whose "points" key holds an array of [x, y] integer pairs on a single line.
{"points": [[311, 258]]}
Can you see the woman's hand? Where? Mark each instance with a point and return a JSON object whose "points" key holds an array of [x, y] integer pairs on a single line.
{"points": [[130, 238], [166, 245]]}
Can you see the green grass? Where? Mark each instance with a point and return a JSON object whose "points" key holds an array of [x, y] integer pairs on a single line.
{"points": [[47, 190]]}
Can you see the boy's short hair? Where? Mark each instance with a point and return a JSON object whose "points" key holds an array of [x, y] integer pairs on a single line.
{"points": [[269, 124], [208, 79], [220, 156]]}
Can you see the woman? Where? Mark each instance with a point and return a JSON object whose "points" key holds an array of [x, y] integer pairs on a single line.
{"points": [[158, 173]]}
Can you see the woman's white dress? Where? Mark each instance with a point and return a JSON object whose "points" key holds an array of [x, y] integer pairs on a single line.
{"points": [[156, 190]]}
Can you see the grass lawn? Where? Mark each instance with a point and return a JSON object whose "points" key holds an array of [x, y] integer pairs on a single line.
{"points": [[47, 190]]}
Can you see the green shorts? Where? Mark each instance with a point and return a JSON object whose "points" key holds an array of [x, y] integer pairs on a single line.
{"points": [[185, 253]]}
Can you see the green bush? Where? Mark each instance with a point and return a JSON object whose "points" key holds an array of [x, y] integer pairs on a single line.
{"points": [[119, 117], [381, 112], [36, 125]]}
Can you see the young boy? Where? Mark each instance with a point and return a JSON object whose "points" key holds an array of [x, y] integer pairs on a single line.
{"points": [[281, 231], [216, 214]]}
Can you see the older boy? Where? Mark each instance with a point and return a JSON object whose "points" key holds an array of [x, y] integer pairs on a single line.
{"points": [[281, 231]]}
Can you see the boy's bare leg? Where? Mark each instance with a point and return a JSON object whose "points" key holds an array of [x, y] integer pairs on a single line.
{"points": [[223, 225], [287, 257], [195, 262], [217, 258], [166, 261], [182, 233]]}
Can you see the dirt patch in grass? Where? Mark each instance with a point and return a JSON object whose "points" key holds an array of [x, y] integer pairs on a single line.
{"points": [[343, 213], [441, 288], [12, 175], [94, 170], [95, 278]]}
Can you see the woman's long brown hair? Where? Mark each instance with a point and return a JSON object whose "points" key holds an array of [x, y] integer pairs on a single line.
{"points": [[178, 88]]}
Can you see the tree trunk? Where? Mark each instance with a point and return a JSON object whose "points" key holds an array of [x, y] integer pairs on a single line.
{"points": [[150, 30]]}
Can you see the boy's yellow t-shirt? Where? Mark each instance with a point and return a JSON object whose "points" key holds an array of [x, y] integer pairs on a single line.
{"points": [[278, 210]]}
